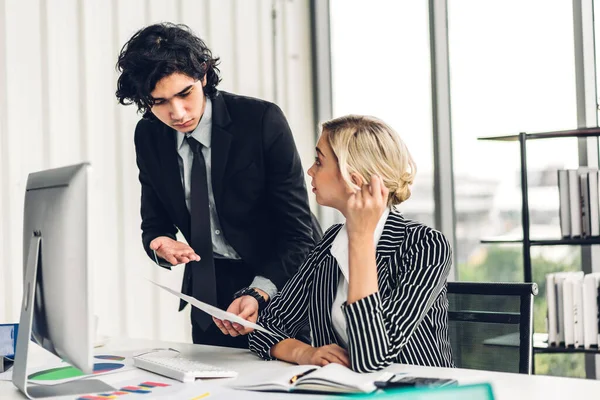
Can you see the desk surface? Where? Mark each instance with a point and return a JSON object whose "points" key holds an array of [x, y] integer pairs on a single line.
{"points": [[506, 386]]}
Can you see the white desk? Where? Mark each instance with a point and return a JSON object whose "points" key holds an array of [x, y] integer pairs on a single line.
{"points": [[506, 386]]}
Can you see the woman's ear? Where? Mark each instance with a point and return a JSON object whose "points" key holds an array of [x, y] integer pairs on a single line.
{"points": [[356, 179], [204, 81]]}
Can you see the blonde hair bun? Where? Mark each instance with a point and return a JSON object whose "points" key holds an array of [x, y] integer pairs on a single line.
{"points": [[401, 195]]}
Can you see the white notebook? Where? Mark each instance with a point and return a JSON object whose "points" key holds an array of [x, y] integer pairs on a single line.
{"points": [[332, 378]]}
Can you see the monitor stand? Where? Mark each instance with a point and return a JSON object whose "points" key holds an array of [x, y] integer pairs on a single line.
{"points": [[81, 386]]}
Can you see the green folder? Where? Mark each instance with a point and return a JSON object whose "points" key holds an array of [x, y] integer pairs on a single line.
{"points": [[482, 391]]}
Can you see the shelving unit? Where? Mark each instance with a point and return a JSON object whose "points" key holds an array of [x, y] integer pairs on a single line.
{"points": [[561, 349], [540, 346], [548, 242], [522, 138]]}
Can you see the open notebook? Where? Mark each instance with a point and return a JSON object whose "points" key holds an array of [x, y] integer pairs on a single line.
{"points": [[332, 378]]}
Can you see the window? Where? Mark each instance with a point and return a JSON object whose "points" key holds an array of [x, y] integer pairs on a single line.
{"points": [[511, 70], [381, 67]]}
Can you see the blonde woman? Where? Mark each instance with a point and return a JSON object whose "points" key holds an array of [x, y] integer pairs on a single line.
{"points": [[373, 291]]}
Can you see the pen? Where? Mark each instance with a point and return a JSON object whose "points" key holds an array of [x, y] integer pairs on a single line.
{"points": [[296, 377]]}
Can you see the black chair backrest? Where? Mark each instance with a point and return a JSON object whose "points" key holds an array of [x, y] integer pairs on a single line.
{"points": [[491, 325]]}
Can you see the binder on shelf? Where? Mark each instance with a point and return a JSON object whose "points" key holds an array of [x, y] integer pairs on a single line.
{"points": [[588, 180], [574, 203], [564, 207], [552, 312], [594, 202], [577, 289], [561, 316], [584, 189], [558, 289], [591, 285], [568, 323], [577, 200]]}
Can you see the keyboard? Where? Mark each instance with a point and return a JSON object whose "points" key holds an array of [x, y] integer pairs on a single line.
{"points": [[180, 368]]}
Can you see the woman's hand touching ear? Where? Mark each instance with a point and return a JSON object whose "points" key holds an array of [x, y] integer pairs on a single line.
{"points": [[363, 211], [365, 206]]}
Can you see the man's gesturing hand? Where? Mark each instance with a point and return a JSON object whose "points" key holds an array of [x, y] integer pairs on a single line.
{"points": [[173, 251]]}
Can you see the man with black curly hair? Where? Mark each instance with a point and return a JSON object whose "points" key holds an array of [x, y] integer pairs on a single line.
{"points": [[223, 170]]}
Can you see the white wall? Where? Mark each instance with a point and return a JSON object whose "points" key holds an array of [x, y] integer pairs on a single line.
{"points": [[57, 107]]}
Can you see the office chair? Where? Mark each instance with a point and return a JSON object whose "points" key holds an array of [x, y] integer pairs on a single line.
{"points": [[491, 324]]}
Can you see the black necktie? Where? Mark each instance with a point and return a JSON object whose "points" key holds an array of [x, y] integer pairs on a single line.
{"points": [[204, 285]]}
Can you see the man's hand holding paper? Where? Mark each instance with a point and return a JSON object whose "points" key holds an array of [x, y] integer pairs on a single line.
{"points": [[244, 307], [217, 313]]}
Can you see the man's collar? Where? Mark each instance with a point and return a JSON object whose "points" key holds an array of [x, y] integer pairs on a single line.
{"points": [[220, 116], [202, 131]]}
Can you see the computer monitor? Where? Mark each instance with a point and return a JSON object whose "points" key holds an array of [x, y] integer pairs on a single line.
{"points": [[56, 311]]}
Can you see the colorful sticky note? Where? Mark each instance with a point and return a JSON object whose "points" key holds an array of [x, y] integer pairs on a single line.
{"points": [[154, 384], [135, 389]]}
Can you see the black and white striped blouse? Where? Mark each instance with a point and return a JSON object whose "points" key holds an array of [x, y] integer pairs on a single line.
{"points": [[406, 321]]}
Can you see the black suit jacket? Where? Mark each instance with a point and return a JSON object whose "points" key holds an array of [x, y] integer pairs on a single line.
{"points": [[257, 179]]}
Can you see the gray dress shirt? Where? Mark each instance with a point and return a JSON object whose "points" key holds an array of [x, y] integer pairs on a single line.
{"points": [[221, 249]]}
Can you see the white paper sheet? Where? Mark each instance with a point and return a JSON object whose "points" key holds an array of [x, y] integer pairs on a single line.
{"points": [[214, 311]]}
